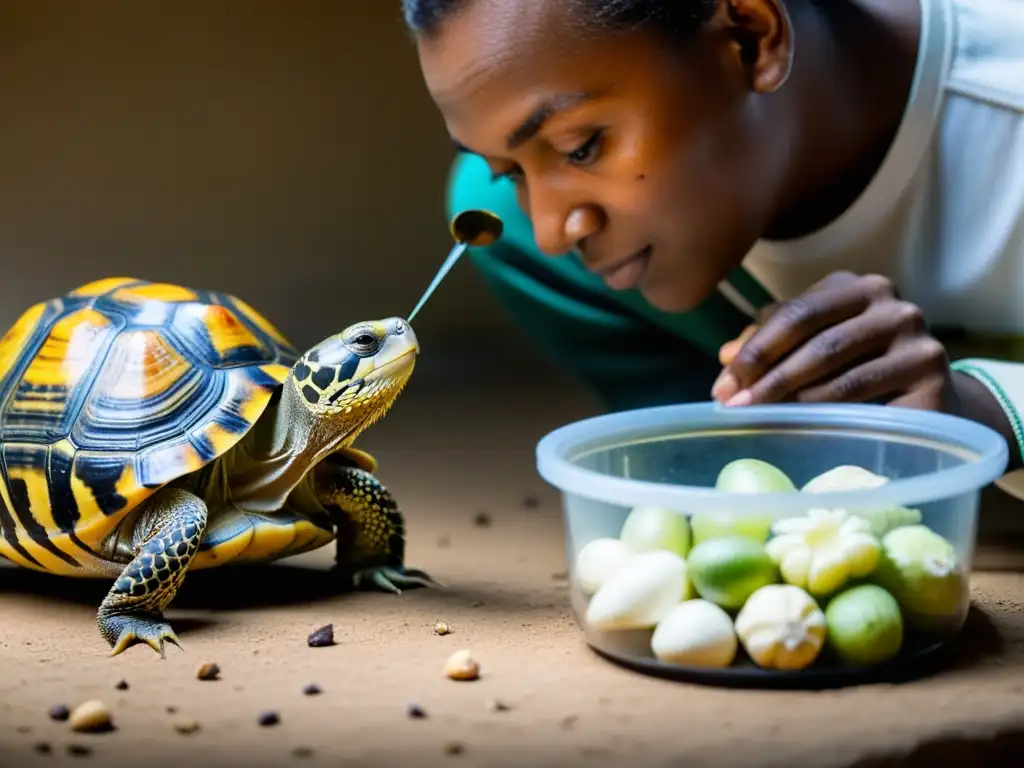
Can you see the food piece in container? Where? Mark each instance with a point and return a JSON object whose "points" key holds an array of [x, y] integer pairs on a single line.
{"points": [[781, 627], [640, 593], [823, 550], [695, 633]]}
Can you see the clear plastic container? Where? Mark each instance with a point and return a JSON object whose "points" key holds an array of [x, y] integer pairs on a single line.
{"points": [[904, 537]]}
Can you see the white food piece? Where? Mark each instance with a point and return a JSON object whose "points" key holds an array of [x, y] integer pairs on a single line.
{"points": [[640, 592], [696, 633], [849, 477], [597, 561], [823, 550], [781, 627]]}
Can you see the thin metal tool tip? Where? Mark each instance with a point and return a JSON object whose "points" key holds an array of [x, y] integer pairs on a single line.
{"points": [[456, 252], [468, 229]]}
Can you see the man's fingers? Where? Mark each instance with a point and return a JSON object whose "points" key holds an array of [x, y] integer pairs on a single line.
{"points": [[825, 355], [793, 323], [728, 350], [905, 369]]}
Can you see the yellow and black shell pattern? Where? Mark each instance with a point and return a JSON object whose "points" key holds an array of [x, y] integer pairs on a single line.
{"points": [[112, 391]]}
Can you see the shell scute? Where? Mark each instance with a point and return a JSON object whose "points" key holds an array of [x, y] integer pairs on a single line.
{"points": [[216, 335], [18, 336], [102, 286], [142, 292], [30, 502], [44, 389], [144, 395]]}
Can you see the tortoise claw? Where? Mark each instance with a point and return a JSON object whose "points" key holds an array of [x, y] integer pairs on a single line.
{"points": [[388, 578], [132, 629]]}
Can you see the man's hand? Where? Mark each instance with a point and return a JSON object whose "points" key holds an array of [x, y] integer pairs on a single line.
{"points": [[850, 338]]}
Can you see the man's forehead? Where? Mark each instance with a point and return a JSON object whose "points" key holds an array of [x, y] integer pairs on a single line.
{"points": [[490, 40]]}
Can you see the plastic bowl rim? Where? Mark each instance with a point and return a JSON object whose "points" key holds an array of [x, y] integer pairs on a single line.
{"points": [[606, 430]]}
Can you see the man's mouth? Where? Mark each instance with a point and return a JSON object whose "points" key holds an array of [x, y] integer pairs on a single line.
{"points": [[625, 274]]}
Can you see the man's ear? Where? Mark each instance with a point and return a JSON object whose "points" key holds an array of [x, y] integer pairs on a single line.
{"points": [[762, 38]]}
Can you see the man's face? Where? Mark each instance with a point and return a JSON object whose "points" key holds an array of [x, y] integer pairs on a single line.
{"points": [[651, 161]]}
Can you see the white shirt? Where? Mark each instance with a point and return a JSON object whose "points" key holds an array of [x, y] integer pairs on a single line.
{"points": [[944, 215]]}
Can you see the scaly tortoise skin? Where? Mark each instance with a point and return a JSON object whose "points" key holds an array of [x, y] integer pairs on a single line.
{"points": [[149, 429]]}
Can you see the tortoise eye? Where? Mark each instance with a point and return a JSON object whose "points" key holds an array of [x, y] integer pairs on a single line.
{"points": [[365, 340]]}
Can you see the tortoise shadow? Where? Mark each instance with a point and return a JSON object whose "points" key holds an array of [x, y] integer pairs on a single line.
{"points": [[223, 589], [269, 585]]}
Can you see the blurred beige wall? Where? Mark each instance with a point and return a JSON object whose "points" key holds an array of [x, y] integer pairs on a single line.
{"points": [[284, 151]]}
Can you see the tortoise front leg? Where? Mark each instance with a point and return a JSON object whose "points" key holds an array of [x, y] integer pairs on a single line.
{"points": [[370, 530], [165, 538]]}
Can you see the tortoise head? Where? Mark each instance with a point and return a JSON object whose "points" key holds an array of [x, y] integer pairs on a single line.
{"points": [[349, 380]]}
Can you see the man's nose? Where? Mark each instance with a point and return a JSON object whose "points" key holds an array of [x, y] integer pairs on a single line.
{"points": [[560, 228]]}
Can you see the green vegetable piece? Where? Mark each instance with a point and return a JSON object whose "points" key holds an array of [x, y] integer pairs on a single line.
{"points": [[728, 570], [753, 476], [864, 625], [705, 526], [653, 528], [921, 570], [741, 476]]}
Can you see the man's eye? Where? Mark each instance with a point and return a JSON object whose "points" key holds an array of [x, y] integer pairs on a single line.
{"points": [[587, 151]]}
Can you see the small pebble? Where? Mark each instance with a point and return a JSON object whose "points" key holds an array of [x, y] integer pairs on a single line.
{"points": [[321, 637], [43, 748], [454, 748], [531, 502], [171, 709], [59, 712], [208, 671], [312, 689], [444, 542], [416, 712], [79, 750], [302, 752], [441, 628], [462, 666], [91, 717], [569, 721], [122, 685], [482, 519], [496, 705], [24, 729], [268, 718], [186, 725]]}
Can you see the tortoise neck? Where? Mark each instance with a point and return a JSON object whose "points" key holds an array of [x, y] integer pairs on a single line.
{"points": [[278, 453], [287, 430]]}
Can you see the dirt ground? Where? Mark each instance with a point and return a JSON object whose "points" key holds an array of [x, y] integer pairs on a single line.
{"points": [[449, 456]]}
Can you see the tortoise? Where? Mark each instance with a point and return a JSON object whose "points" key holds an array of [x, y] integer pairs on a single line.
{"points": [[149, 429]]}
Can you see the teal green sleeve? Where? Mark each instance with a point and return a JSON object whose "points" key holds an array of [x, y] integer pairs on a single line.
{"points": [[627, 353]]}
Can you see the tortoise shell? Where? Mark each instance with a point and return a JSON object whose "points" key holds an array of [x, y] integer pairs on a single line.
{"points": [[112, 391]]}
